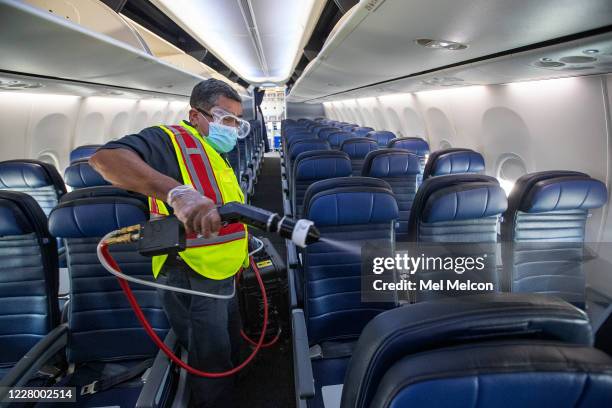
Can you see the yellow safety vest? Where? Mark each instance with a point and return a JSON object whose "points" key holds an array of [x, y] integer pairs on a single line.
{"points": [[217, 257]]}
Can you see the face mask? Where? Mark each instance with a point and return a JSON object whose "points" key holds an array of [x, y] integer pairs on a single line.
{"points": [[222, 138]]}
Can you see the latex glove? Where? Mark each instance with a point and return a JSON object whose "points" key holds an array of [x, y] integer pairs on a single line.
{"points": [[197, 212]]}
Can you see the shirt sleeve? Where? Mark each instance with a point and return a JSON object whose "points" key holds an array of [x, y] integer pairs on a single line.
{"points": [[154, 147]]}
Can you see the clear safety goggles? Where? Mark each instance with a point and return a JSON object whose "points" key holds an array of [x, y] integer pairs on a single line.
{"points": [[221, 116]]}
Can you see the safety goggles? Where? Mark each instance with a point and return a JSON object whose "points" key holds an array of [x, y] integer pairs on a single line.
{"points": [[220, 115]]}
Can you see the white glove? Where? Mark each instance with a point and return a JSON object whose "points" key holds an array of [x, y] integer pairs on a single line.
{"points": [[197, 212]]}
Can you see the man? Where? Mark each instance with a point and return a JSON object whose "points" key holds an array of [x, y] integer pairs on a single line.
{"points": [[183, 167]]}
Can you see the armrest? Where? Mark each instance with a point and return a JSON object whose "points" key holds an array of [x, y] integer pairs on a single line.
{"points": [[34, 359], [293, 261], [158, 378], [302, 370], [285, 185], [287, 207]]}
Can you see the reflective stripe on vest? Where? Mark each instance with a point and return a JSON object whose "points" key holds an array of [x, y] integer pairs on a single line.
{"points": [[201, 167]]}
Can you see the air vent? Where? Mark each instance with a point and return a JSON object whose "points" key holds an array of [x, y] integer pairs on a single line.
{"points": [[440, 44], [549, 64], [577, 59]]}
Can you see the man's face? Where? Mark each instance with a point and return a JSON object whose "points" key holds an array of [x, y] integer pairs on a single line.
{"points": [[200, 120]]}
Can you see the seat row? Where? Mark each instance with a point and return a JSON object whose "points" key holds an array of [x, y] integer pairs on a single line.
{"points": [[363, 353]]}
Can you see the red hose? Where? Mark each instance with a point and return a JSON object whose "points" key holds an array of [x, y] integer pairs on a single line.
{"points": [[147, 326]]}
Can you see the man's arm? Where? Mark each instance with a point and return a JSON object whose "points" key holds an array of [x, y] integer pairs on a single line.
{"points": [[125, 169]]}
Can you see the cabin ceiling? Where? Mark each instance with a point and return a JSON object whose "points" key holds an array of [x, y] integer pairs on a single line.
{"points": [[374, 46]]}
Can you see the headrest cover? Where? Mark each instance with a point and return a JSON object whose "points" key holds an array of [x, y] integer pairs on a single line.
{"points": [[565, 193], [383, 137], [392, 163], [80, 174], [83, 152], [352, 206], [12, 219], [304, 145], [14, 174], [464, 202], [415, 145], [359, 147], [465, 161], [313, 165], [95, 217]]}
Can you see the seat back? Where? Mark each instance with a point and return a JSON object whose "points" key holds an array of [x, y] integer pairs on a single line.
{"points": [[322, 132], [28, 276], [357, 149], [402, 171], [353, 214], [83, 152], [35, 178], [498, 349], [80, 174], [415, 145], [544, 231], [312, 166], [382, 137], [362, 131], [102, 324], [454, 161], [348, 127], [337, 138], [306, 145]]}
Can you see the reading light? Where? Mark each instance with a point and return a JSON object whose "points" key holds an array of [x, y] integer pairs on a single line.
{"points": [[440, 44], [592, 51]]}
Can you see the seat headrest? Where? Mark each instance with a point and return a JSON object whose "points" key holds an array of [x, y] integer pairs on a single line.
{"points": [[347, 204], [353, 181], [383, 137], [83, 152], [19, 174], [304, 145], [80, 174], [295, 137], [464, 202], [415, 145], [324, 131], [95, 214], [446, 322], [336, 139], [348, 128], [565, 193], [454, 161], [391, 163], [362, 131], [321, 164], [358, 147]]}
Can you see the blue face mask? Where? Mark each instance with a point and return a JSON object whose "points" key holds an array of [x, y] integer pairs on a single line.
{"points": [[222, 138]]}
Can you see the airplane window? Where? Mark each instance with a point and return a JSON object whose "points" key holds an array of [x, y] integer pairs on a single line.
{"points": [[445, 144], [509, 169], [50, 158]]}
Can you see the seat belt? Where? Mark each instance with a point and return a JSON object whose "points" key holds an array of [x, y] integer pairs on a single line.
{"points": [[108, 382]]}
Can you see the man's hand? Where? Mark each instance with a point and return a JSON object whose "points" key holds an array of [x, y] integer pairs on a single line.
{"points": [[197, 212]]}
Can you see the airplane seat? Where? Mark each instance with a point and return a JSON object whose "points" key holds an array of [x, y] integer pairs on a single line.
{"points": [[30, 277], [402, 170], [349, 127], [312, 166], [416, 145], [305, 145], [326, 132], [354, 211], [248, 177], [337, 138], [454, 161], [492, 350], [83, 152], [35, 178], [543, 232], [382, 137], [233, 157], [80, 174], [104, 336], [362, 131], [357, 149], [462, 212]]}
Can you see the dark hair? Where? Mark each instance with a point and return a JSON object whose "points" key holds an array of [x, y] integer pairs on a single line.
{"points": [[206, 94]]}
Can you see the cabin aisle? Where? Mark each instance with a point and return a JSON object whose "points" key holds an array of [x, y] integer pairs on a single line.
{"points": [[268, 381]]}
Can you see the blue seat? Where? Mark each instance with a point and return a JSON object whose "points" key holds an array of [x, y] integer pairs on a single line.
{"points": [[83, 152], [80, 174], [305, 145], [543, 232], [382, 137], [322, 132], [353, 212], [493, 350], [402, 171], [337, 138], [312, 166], [415, 145], [28, 279], [454, 161], [348, 127], [462, 212], [104, 334], [357, 149], [362, 131], [35, 178]]}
